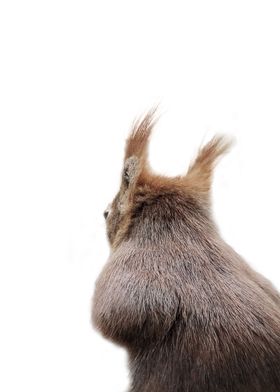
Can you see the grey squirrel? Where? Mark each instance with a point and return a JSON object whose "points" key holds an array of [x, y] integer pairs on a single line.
{"points": [[191, 313]]}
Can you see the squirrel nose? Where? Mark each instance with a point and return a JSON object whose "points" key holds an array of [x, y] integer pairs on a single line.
{"points": [[107, 211]]}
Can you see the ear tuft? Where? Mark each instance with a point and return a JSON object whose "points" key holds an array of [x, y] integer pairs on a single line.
{"points": [[137, 142], [201, 170]]}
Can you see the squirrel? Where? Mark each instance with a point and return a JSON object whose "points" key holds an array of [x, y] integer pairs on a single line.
{"points": [[191, 313]]}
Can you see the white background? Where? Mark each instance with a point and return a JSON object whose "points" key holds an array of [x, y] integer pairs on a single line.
{"points": [[73, 76]]}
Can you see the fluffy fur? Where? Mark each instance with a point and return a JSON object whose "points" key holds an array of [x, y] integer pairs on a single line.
{"points": [[192, 314]]}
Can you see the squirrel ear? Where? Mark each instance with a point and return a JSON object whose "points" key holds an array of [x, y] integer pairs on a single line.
{"points": [[200, 172], [130, 170], [138, 140]]}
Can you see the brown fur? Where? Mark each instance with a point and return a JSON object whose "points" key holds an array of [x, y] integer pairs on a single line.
{"points": [[192, 314]]}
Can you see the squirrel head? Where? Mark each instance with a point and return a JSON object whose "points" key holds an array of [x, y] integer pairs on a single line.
{"points": [[144, 195]]}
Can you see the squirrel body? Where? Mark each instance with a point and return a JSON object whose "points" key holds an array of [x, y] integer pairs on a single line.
{"points": [[191, 313]]}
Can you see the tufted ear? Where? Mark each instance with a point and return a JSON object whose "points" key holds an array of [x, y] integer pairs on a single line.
{"points": [[200, 172], [138, 140], [131, 170]]}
